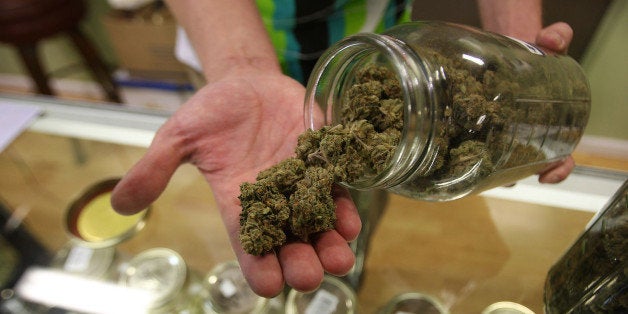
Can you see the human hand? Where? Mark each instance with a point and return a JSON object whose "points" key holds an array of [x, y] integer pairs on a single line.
{"points": [[230, 130], [556, 38]]}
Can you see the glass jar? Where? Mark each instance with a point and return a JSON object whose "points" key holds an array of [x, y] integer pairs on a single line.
{"points": [[100, 263], [227, 292], [414, 302], [506, 307], [95, 229], [333, 296], [163, 272], [90, 220], [592, 276], [479, 110]]}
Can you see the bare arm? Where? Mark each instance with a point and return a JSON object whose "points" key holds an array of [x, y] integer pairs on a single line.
{"points": [[227, 35], [517, 18]]}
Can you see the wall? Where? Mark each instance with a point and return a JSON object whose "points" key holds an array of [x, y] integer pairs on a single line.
{"points": [[606, 65]]}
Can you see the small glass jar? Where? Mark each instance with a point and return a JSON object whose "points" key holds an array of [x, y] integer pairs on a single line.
{"points": [[506, 307], [101, 263], [90, 220], [414, 303], [227, 292], [333, 296], [95, 229], [480, 110], [163, 272], [592, 276]]}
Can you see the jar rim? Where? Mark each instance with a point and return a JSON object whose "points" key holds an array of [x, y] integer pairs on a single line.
{"points": [[409, 68]]}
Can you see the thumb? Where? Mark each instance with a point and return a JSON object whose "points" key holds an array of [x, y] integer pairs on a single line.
{"points": [[555, 37], [146, 180]]}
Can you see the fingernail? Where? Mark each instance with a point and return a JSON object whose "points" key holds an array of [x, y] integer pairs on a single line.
{"points": [[557, 39]]}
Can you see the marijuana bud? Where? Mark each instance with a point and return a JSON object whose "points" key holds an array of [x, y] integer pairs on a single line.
{"points": [[259, 232], [470, 158], [313, 208], [264, 215], [285, 174], [292, 199]]}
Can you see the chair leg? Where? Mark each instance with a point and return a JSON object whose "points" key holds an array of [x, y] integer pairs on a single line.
{"points": [[30, 57], [96, 65]]}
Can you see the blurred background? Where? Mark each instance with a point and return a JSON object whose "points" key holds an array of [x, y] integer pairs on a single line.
{"points": [[137, 43]]}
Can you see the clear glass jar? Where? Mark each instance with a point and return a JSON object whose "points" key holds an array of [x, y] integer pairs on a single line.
{"points": [[506, 307], [333, 296], [414, 302], [163, 272], [227, 292], [592, 276], [480, 110], [100, 263]]}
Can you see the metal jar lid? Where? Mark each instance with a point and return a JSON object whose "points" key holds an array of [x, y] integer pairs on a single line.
{"points": [[229, 292], [506, 307], [159, 270], [414, 302], [333, 296], [91, 221]]}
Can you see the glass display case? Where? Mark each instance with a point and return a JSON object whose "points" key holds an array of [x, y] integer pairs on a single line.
{"points": [[465, 254]]}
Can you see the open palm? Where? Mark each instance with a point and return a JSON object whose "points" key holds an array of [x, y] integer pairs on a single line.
{"points": [[230, 130]]}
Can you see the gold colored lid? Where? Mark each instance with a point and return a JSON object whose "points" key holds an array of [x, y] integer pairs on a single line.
{"points": [[92, 221]]}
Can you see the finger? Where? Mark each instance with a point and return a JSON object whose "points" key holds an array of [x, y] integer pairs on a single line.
{"points": [[334, 253], [348, 222], [263, 274], [555, 37], [148, 178], [558, 173], [301, 267]]}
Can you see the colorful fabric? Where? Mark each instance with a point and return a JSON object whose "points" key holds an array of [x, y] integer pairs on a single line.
{"points": [[301, 30]]}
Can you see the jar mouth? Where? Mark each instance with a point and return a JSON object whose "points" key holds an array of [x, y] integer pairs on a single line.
{"points": [[331, 78]]}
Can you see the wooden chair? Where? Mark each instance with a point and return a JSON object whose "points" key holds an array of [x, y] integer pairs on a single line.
{"points": [[25, 23]]}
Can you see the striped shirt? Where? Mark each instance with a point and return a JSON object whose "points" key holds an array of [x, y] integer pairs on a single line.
{"points": [[301, 30]]}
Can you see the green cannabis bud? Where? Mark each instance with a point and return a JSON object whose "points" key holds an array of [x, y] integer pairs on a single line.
{"points": [[291, 201], [312, 206]]}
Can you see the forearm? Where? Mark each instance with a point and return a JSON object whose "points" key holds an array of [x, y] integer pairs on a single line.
{"points": [[227, 35], [517, 18]]}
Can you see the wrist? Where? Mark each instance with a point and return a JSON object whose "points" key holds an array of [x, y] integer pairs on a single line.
{"points": [[232, 65]]}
